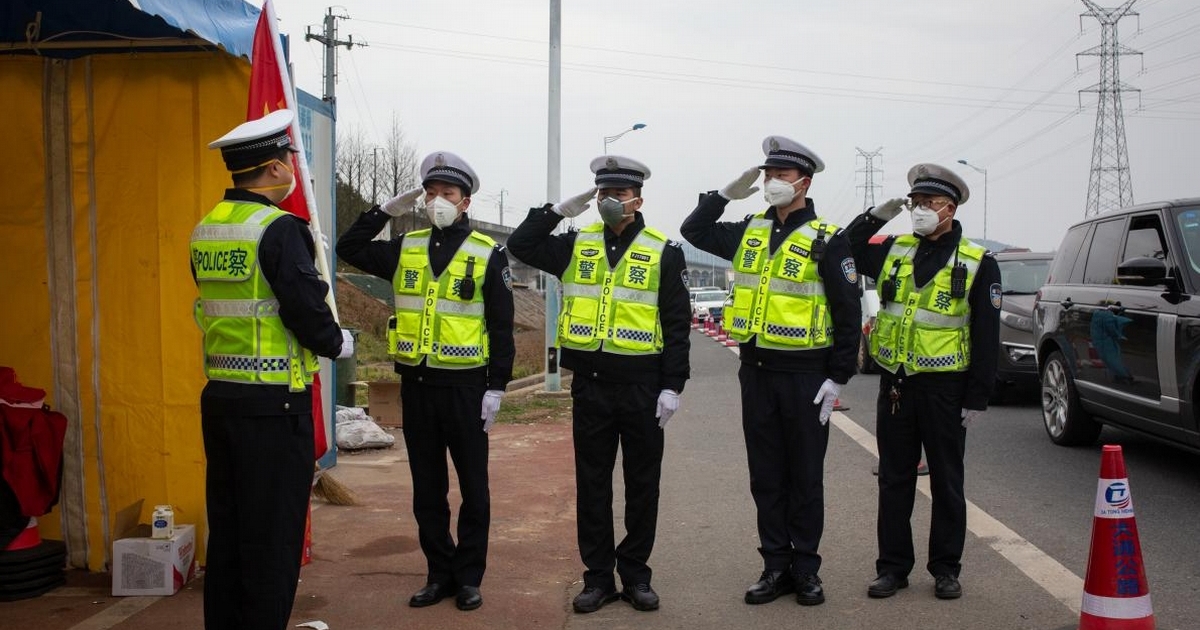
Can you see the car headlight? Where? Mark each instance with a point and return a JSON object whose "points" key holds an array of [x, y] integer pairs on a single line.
{"points": [[1020, 322], [1018, 353]]}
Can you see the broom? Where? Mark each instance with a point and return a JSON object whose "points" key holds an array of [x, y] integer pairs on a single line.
{"points": [[332, 491]]}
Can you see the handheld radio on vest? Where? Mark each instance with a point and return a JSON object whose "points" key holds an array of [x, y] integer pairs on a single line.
{"points": [[466, 289], [818, 246], [958, 278]]}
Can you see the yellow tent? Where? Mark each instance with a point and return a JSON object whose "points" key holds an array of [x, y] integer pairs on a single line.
{"points": [[105, 172]]}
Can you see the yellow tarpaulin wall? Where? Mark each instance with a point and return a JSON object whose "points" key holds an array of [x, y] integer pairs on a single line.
{"points": [[105, 171]]}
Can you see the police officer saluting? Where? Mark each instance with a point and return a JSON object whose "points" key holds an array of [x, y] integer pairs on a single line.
{"points": [[452, 341], [936, 338], [264, 317], [623, 331], [796, 313]]}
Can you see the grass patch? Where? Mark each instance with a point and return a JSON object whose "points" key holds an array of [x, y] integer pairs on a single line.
{"points": [[535, 409]]}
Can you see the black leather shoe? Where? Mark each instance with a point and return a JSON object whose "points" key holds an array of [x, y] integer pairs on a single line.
{"points": [[468, 598], [641, 596], [808, 590], [768, 588], [947, 587], [886, 585], [431, 594], [592, 598]]}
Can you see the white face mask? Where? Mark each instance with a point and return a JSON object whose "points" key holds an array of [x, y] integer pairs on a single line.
{"points": [[441, 212], [925, 220], [779, 193]]}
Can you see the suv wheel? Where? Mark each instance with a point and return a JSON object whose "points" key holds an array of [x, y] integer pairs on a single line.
{"points": [[1066, 422], [866, 365]]}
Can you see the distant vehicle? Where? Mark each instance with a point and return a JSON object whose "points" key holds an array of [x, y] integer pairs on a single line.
{"points": [[1117, 326], [708, 303], [1022, 273]]}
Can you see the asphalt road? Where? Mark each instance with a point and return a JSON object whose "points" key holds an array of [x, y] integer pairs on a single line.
{"points": [[1026, 554]]}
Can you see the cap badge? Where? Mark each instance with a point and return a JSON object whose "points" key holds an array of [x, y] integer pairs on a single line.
{"points": [[611, 163], [922, 171], [774, 144], [440, 160]]}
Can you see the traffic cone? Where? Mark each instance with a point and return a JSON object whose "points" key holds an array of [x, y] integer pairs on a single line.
{"points": [[27, 539], [721, 336], [1115, 593]]}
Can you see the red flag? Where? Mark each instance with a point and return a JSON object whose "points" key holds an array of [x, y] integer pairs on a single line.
{"points": [[271, 90]]}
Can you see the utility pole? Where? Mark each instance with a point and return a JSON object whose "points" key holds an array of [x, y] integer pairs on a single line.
{"points": [[502, 193], [374, 174], [331, 42], [869, 171], [553, 382], [1109, 186]]}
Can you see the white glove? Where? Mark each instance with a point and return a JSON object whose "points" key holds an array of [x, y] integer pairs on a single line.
{"points": [[404, 202], [668, 404], [491, 404], [826, 396], [347, 345], [740, 188], [969, 415], [574, 206], [324, 241], [888, 210]]}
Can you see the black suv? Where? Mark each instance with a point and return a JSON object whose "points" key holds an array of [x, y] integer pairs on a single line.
{"points": [[1118, 326]]}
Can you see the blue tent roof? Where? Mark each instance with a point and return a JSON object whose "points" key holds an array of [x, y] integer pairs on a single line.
{"points": [[26, 23]]}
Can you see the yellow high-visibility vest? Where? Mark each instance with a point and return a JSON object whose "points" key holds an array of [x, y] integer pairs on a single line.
{"points": [[245, 340]]}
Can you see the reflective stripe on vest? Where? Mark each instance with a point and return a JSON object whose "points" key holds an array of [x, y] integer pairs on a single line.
{"points": [[779, 298], [614, 310], [925, 329], [245, 341], [434, 322]]}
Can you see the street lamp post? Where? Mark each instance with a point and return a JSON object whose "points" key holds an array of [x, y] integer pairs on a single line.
{"points": [[611, 139], [985, 187]]}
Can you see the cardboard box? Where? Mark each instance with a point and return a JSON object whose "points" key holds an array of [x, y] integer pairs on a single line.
{"points": [[154, 566], [383, 403]]}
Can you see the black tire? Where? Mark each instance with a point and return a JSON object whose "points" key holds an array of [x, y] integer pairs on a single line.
{"points": [[866, 365], [1066, 422]]}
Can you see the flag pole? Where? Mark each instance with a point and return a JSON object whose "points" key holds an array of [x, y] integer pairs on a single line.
{"points": [[301, 159]]}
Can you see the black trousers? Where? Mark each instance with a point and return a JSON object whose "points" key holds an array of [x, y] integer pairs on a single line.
{"points": [[929, 416], [607, 415], [785, 449], [437, 419], [260, 472]]}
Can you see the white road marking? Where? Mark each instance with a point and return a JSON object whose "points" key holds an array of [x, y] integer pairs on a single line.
{"points": [[115, 614], [1045, 571]]}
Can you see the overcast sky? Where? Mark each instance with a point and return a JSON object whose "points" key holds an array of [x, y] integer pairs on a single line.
{"points": [[994, 83]]}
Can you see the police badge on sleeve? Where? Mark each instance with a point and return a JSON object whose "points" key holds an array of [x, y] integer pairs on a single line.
{"points": [[996, 294], [849, 271], [506, 275]]}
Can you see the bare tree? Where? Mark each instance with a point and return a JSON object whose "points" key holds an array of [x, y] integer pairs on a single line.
{"points": [[399, 170]]}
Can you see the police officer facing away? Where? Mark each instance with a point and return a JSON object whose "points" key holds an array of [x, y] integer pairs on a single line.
{"points": [[623, 331], [795, 311], [264, 317], [452, 341], [936, 338]]}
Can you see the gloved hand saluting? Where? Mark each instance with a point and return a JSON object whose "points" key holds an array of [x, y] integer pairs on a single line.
{"points": [[574, 206], [668, 404], [347, 345], [491, 404], [888, 210], [404, 202], [969, 415], [741, 187], [826, 396]]}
